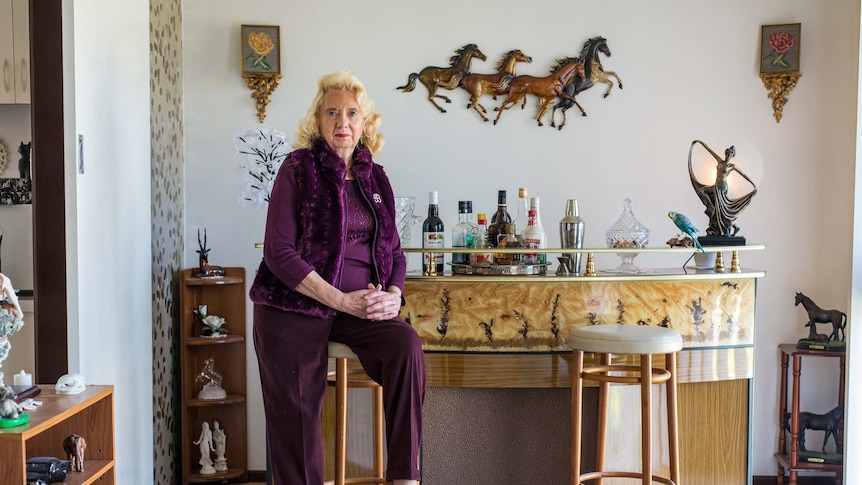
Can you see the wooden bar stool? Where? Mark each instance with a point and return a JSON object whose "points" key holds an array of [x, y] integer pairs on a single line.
{"points": [[341, 353], [624, 339]]}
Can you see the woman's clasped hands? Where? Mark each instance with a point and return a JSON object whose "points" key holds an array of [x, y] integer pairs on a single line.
{"points": [[373, 303]]}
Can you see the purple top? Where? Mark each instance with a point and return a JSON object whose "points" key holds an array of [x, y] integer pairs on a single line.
{"points": [[356, 273]]}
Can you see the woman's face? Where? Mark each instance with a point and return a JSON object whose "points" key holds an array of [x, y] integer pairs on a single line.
{"points": [[340, 120]]}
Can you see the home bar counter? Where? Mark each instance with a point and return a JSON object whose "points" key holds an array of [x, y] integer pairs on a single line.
{"points": [[498, 367]]}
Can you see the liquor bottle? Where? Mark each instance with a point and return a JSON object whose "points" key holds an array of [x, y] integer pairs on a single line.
{"points": [[521, 221], [499, 219], [432, 236], [477, 259], [532, 238], [572, 235], [463, 233], [474, 227], [534, 206], [507, 239]]}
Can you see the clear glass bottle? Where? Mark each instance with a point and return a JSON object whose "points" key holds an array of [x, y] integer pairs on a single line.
{"points": [[463, 233], [432, 235], [474, 227], [499, 219], [477, 259], [522, 219], [534, 206], [533, 238], [508, 239]]}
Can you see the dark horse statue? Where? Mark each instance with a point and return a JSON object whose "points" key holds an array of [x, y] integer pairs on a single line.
{"points": [[837, 318], [829, 422], [444, 77], [593, 73]]}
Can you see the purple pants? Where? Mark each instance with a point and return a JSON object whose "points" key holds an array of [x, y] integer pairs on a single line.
{"points": [[292, 357]]}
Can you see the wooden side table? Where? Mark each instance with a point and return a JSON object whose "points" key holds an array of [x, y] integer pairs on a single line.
{"points": [[790, 461], [89, 414]]}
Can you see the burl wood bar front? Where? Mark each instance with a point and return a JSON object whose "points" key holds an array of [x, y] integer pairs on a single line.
{"points": [[509, 333]]}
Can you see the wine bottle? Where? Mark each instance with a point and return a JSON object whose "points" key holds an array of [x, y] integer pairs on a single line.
{"points": [[432, 236], [499, 219]]}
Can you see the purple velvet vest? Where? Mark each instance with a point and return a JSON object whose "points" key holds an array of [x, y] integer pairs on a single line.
{"points": [[319, 174]]}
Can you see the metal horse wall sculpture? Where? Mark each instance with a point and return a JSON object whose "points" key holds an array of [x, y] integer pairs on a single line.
{"points": [[494, 84], [594, 73], [545, 88], [445, 77], [569, 77]]}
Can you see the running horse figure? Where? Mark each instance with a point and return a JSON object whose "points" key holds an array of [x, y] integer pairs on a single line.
{"points": [[545, 88], [818, 315], [493, 84], [444, 77], [594, 73]]}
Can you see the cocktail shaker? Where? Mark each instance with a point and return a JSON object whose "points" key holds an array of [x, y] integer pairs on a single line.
{"points": [[572, 235]]}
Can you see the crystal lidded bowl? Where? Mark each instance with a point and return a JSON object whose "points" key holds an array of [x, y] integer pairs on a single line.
{"points": [[627, 232]]}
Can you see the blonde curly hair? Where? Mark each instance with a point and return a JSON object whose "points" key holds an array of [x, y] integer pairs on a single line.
{"points": [[346, 81]]}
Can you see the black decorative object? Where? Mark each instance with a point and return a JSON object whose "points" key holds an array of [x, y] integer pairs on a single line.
{"points": [[15, 191], [206, 270], [818, 341], [24, 161], [47, 469], [830, 422]]}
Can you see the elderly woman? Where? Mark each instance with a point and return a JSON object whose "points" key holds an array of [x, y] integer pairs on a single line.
{"points": [[333, 269]]}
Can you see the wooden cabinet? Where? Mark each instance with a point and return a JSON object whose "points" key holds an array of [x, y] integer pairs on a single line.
{"points": [[14, 52], [224, 297], [89, 414]]}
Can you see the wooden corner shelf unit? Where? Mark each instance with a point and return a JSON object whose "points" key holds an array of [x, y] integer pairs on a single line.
{"points": [[791, 461], [224, 297], [89, 414]]}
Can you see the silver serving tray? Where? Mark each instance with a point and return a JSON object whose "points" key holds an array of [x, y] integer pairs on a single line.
{"points": [[500, 269]]}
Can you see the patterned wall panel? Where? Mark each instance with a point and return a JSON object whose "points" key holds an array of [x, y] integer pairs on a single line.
{"points": [[166, 125]]}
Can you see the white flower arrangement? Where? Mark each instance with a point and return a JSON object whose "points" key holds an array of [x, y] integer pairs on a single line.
{"points": [[262, 150], [214, 327]]}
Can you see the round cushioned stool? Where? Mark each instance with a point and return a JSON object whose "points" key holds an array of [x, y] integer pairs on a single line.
{"points": [[625, 339], [341, 353]]}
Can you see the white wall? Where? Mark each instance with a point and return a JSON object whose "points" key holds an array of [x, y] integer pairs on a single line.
{"points": [[690, 71], [852, 421], [110, 336]]}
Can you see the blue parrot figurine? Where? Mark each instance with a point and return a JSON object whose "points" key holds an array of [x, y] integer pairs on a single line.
{"points": [[685, 225]]}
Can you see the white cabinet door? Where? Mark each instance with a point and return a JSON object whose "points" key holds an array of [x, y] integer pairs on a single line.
{"points": [[21, 32], [7, 54]]}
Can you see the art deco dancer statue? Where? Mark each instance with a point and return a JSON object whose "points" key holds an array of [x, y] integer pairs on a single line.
{"points": [[720, 208]]}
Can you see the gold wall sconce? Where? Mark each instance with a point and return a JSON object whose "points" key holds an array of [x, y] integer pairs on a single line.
{"points": [[779, 62], [261, 63]]}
